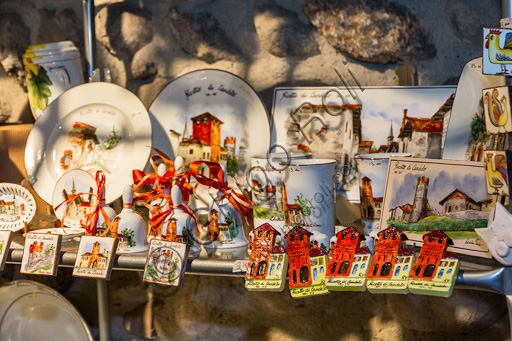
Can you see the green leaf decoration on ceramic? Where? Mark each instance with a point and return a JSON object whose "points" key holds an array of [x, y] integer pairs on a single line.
{"points": [[113, 139], [38, 86]]}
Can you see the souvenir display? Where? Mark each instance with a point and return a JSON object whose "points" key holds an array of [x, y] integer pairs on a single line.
{"points": [[166, 262], [94, 126], [5, 243], [211, 115], [389, 271], [51, 69], [306, 266], [129, 227], [450, 195], [497, 110], [52, 316], [372, 171], [435, 271], [465, 134], [497, 60], [17, 207], [337, 123], [349, 263], [266, 183], [308, 197], [266, 270], [74, 196], [498, 235], [41, 254], [95, 257]]}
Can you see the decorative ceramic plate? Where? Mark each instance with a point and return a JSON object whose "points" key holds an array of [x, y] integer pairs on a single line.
{"points": [[211, 115], [91, 126], [467, 102], [67, 233], [17, 206], [79, 186]]}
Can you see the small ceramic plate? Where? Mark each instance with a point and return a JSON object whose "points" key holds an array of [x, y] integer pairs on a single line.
{"points": [[67, 233], [17, 206], [72, 183], [91, 126], [211, 115]]}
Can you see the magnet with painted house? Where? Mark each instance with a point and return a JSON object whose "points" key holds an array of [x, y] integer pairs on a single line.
{"points": [[306, 267], [266, 270], [436, 269], [350, 262], [389, 271]]}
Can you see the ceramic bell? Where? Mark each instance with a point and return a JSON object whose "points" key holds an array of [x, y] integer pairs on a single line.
{"points": [[157, 203], [179, 225], [225, 227], [101, 225], [129, 226]]}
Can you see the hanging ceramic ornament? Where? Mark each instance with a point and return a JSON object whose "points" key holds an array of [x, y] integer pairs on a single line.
{"points": [[389, 271], [307, 267], [180, 225], [225, 227], [158, 205], [104, 210], [435, 270], [129, 226], [266, 270], [350, 262]]}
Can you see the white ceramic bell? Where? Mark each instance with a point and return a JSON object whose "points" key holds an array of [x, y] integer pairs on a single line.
{"points": [[101, 225], [179, 226], [129, 226], [225, 227]]}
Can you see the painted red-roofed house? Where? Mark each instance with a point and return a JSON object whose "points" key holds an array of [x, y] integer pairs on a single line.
{"points": [[386, 251], [347, 241], [298, 257], [264, 239], [434, 246]]}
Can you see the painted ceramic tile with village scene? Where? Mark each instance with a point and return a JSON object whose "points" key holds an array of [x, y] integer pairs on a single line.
{"points": [[336, 123], [166, 262], [41, 254], [95, 257], [424, 195]]}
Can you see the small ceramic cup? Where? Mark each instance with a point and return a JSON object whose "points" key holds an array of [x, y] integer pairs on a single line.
{"points": [[372, 170], [51, 69]]}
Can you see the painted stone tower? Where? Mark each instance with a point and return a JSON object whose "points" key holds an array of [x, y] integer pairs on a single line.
{"points": [[206, 128], [367, 205], [420, 204]]}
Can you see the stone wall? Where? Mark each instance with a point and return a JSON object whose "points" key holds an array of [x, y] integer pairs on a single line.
{"points": [[269, 43]]}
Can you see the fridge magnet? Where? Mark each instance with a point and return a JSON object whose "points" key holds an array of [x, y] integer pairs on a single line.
{"points": [[338, 123], [497, 51], [498, 235], [497, 109], [5, 243], [166, 262], [41, 254], [389, 271], [350, 262], [306, 267], [266, 270], [497, 175], [435, 270], [95, 257], [448, 195]]}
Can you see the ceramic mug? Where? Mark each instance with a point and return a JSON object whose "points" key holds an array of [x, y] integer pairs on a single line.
{"points": [[265, 179], [372, 170], [308, 198], [51, 69]]}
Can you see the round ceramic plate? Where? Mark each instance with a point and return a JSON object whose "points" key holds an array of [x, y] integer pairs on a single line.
{"points": [[70, 184], [211, 115], [17, 206], [91, 127], [67, 233]]}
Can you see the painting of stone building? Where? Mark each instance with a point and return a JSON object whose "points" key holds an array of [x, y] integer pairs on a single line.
{"points": [[424, 195]]}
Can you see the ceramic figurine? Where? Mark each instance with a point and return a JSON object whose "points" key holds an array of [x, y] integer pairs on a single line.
{"points": [[435, 270], [179, 226], [129, 226], [350, 262], [225, 227], [266, 270], [389, 271], [307, 267], [498, 235]]}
